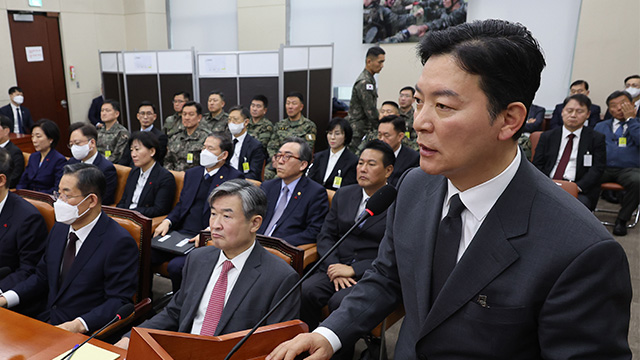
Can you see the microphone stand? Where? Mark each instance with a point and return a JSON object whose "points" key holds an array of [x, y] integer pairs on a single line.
{"points": [[69, 355]]}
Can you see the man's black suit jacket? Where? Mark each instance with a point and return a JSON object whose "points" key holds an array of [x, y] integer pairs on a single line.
{"points": [[17, 158], [110, 175], [346, 163], [587, 177], [407, 158], [157, 194], [253, 153], [27, 122]]}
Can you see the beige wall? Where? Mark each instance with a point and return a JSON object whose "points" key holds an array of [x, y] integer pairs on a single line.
{"points": [[86, 27], [401, 68], [261, 24]]}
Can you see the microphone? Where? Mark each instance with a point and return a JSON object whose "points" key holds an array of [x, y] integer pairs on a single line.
{"points": [[124, 312], [378, 202], [4, 272]]}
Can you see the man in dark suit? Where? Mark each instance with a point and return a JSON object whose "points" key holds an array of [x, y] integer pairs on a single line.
{"points": [[559, 156], [535, 118], [147, 116], [346, 266], [191, 213], [82, 142], [256, 280], [17, 158], [577, 87], [94, 111], [297, 205], [22, 230], [90, 266], [20, 116], [490, 258], [248, 153], [391, 130]]}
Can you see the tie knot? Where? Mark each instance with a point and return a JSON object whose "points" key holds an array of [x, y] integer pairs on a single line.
{"points": [[207, 176], [571, 136], [226, 266], [73, 236], [455, 206], [285, 190], [235, 141]]}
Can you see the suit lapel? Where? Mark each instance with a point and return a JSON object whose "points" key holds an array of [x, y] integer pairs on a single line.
{"points": [[6, 214], [147, 187], [583, 144], [296, 197], [554, 148]]}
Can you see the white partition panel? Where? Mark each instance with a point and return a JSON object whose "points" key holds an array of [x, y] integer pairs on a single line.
{"points": [[263, 63], [320, 57], [217, 65], [295, 58], [175, 62], [141, 63]]}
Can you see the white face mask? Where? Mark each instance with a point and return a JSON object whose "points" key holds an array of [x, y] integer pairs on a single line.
{"points": [[633, 91], [235, 129], [80, 152], [208, 159], [66, 213], [18, 99]]}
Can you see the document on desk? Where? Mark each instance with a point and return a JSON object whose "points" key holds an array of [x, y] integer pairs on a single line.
{"points": [[90, 352], [174, 242]]}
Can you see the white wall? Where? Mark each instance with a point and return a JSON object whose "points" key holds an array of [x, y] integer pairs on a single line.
{"points": [[207, 25]]}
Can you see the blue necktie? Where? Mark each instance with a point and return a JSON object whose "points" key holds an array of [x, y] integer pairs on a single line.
{"points": [[620, 130]]}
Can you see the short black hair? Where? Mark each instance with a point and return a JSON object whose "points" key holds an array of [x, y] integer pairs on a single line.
{"points": [[196, 104], [216, 92], [148, 140], [5, 122], [262, 98], [388, 157], [6, 165], [413, 91], [398, 123], [375, 51], [580, 82], [392, 103], [14, 89], [185, 94], [87, 130], [225, 142], [616, 94], [505, 56], [295, 94], [631, 77], [90, 179], [305, 150], [114, 104], [147, 103], [582, 99], [243, 111], [344, 125], [50, 130]]}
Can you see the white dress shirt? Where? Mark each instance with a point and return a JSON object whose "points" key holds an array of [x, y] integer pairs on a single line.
{"points": [[4, 201], [616, 125], [333, 159], [232, 276], [572, 165], [142, 180], [4, 144], [91, 159], [16, 123], [397, 151], [235, 159]]}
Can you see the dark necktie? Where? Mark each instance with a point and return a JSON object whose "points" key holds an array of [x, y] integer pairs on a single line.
{"points": [[69, 256], [20, 129], [620, 130], [564, 160], [235, 141], [445, 254], [207, 176]]}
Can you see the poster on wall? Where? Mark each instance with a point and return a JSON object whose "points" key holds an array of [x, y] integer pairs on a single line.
{"points": [[398, 21]]}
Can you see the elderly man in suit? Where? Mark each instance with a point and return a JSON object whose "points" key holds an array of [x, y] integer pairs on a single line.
{"points": [[248, 153], [17, 158], [297, 205], [391, 130], [83, 144], [490, 258], [255, 279], [574, 152], [346, 266], [20, 116], [90, 266]]}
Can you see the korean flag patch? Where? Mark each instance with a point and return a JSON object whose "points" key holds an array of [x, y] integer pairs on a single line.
{"points": [[369, 86]]}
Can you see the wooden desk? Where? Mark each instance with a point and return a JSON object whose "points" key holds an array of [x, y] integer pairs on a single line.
{"points": [[22, 337], [23, 141]]}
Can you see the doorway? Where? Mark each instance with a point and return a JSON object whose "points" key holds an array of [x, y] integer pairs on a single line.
{"points": [[41, 73]]}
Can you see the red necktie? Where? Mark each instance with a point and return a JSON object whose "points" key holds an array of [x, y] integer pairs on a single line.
{"points": [[564, 160], [216, 302]]}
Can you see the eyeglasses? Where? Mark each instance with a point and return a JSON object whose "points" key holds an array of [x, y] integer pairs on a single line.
{"points": [[79, 143], [144, 114], [286, 157], [57, 195], [179, 101]]}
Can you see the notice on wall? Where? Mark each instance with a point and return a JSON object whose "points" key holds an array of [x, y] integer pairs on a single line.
{"points": [[143, 61], [34, 53]]}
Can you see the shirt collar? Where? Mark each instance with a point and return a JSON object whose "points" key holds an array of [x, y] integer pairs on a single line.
{"points": [[241, 137], [566, 132], [338, 154], [481, 198], [397, 151], [4, 201], [292, 185], [5, 143], [212, 172], [13, 106], [92, 159], [84, 231], [238, 261], [148, 129], [146, 173]]}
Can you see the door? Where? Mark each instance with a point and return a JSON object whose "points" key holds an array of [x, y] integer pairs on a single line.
{"points": [[41, 75]]}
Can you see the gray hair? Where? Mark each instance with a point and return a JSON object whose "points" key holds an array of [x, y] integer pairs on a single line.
{"points": [[306, 154], [254, 200]]}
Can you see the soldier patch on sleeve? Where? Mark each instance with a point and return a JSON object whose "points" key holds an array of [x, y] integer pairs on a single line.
{"points": [[311, 137], [369, 86]]}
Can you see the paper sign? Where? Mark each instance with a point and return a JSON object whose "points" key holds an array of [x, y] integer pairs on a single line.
{"points": [[34, 53]]}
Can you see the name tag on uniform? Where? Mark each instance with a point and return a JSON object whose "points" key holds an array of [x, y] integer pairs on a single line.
{"points": [[337, 181], [408, 135], [245, 167], [310, 137], [369, 86], [622, 141], [107, 153], [588, 160], [190, 158]]}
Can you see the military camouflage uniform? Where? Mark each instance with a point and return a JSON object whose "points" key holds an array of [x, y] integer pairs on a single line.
{"points": [[180, 146], [411, 139], [111, 143], [173, 124], [285, 128], [363, 111], [261, 131], [215, 123]]}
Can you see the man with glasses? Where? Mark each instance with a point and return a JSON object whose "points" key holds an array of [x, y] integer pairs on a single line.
{"points": [[82, 142], [147, 116], [173, 122], [296, 205], [392, 130], [90, 266]]}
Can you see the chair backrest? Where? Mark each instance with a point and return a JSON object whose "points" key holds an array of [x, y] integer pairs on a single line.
{"points": [[123, 174], [278, 247], [330, 194], [534, 138], [139, 226], [568, 186], [179, 177], [254, 182], [43, 202], [26, 158]]}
